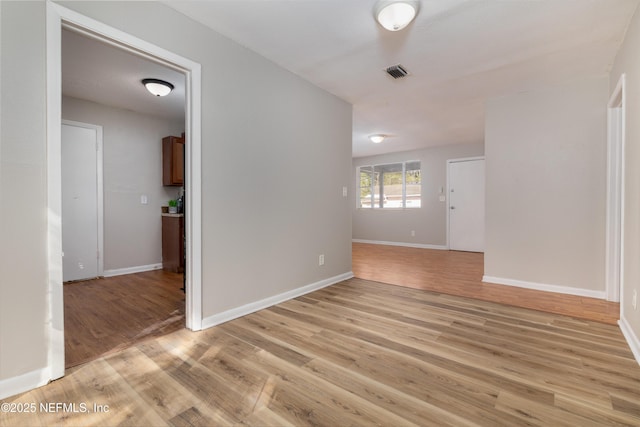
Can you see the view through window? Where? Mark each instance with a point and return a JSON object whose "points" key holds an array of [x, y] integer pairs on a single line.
{"points": [[393, 185]]}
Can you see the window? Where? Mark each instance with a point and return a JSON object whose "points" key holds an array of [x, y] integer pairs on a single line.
{"points": [[395, 185]]}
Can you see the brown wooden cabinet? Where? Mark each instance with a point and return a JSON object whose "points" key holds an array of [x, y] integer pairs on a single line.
{"points": [[173, 242], [173, 161]]}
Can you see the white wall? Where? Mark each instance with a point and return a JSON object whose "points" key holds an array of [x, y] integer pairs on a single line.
{"points": [[276, 153], [430, 221], [132, 167], [628, 62], [545, 156]]}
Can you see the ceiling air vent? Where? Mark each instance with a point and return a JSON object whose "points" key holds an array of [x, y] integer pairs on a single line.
{"points": [[397, 71]]}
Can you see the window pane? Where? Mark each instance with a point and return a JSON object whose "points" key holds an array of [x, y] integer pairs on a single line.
{"points": [[377, 201], [413, 180], [392, 185], [365, 186], [382, 186]]}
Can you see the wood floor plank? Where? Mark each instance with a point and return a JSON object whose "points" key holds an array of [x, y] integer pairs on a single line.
{"points": [[540, 415], [601, 416], [298, 390], [393, 400], [460, 273], [361, 353], [110, 314], [209, 386]]}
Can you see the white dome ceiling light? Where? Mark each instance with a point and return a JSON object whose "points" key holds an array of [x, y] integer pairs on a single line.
{"points": [[377, 139], [158, 87], [394, 16]]}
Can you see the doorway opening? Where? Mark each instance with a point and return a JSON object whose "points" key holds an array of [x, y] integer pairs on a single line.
{"points": [[132, 299], [59, 18]]}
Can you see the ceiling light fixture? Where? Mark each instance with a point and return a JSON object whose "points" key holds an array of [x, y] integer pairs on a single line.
{"points": [[396, 15], [377, 139], [158, 87]]}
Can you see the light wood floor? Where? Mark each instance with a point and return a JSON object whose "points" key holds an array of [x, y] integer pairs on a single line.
{"points": [[106, 315], [360, 353], [111, 314], [460, 273]]}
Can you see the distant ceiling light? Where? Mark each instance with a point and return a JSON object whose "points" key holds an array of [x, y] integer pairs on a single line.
{"points": [[395, 16], [376, 139], [158, 87]]}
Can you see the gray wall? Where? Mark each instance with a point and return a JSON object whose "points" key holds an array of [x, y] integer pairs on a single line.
{"points": [[430, 221], [546, 175], [276, 153], [132, 167], [628, 61], [23, 188]]}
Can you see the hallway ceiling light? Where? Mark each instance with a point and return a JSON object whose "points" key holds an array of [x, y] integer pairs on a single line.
{"points": [[158, 87], [395, 16], [376, 139]]}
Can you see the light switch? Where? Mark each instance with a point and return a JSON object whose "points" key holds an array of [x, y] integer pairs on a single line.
{"points": [[143, 199], [344, 191]]}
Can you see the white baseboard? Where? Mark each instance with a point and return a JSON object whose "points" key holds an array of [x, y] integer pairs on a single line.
{"points": [[631, 337], [408, 245], [131, 270], [545, 287], [25, 382], [252, 307]]}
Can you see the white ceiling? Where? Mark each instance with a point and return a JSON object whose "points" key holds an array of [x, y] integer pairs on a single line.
{"points": [[101, 73], [459, 54]]}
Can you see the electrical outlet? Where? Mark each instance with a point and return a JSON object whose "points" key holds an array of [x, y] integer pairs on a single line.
{"points": [[344, 191], [321, 259], [413, 233], [634, 300]]}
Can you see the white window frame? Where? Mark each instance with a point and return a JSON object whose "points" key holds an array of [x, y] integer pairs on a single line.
{"points": [[372, 188]]}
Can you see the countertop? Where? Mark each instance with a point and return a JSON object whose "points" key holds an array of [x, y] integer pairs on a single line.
{"points": [[176, 215]]}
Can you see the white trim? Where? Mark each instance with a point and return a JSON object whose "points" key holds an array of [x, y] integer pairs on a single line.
{"points": [[55, 357], [57, 17], [132, 270], [193, 207], [25, 382], [252, 307], [616, 117], [465, 159], [631, 337], [448, 198], [99, 186], [545, 287], [404, 244]]}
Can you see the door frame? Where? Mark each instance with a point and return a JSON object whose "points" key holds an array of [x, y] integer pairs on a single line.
{"points": [[614, 262], [448, 204], [99, 187], [58, 17]]}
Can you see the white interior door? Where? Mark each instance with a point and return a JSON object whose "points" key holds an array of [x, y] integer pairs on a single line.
{"points": [[80, 213], [466, 204]]}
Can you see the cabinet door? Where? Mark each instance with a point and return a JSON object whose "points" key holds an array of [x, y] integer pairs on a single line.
{"points": [[177, 166], [172, 161], [173, 243]]}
